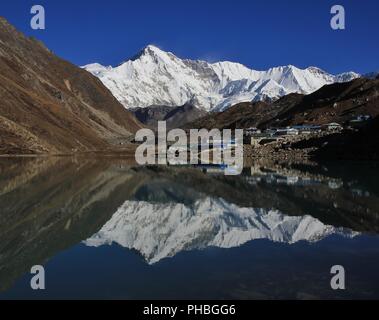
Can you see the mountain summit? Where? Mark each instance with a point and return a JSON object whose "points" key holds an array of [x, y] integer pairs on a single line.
{"points": [[156, 77]]}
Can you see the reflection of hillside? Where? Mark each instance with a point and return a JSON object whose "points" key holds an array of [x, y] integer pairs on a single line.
{"points": [[12, 176], [341, 207], [185, 209], [55, 209], [338, 193], [50, 205]]}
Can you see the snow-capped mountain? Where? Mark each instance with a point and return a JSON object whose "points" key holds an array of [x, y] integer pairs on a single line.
{"points": [[161, 230], [156, 77]]}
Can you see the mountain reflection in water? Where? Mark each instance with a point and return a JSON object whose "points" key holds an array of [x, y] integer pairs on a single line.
{"points": [[52, 206], [160, 230]]}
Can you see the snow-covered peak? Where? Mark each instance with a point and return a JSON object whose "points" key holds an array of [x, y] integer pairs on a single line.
{"points": [[231, 71], [161, 230], [152, 49], [156, 77], [155, 54], [96, 69], [347, 76], [317, 70]]}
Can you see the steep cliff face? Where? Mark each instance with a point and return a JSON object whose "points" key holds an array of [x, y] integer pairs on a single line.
{"points": [[48, 105]]}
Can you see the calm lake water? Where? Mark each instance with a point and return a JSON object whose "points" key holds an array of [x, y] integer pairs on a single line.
{"points": [[107, 229]]}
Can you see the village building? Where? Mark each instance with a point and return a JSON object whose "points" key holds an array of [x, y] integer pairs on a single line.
{"points": [[333, 126], [286, 132], [361, 118], [307, 129], [252, 131]]}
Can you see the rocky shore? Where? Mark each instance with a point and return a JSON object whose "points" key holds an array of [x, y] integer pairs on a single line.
{"points": [[289, 148]]}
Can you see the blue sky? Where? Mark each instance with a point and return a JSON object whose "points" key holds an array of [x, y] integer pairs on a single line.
{"points": [[259, 34]]}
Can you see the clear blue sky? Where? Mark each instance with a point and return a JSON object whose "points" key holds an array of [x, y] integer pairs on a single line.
{"points": [[259, 34]]}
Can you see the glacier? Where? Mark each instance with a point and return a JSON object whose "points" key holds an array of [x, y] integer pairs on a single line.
{"points": [[155, 77]]}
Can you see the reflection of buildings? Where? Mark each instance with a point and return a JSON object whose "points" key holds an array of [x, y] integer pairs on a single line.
{"points": [[49, 206], [288, 177], [216, 169], [285, 176]]}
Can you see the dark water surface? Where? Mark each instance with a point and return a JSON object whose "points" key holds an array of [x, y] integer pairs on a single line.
{"points": [[108, 229]]}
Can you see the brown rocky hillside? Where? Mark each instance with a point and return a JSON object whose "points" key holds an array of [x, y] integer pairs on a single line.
{"points": [[339, 102], [48, 105]]}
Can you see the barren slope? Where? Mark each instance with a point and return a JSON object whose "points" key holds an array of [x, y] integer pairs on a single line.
{"points": [[48, 105]]}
